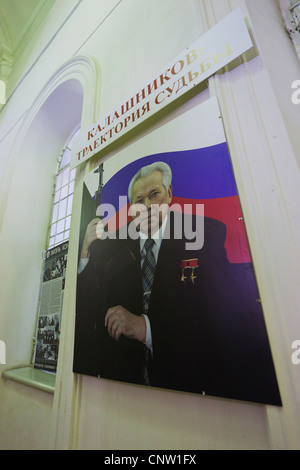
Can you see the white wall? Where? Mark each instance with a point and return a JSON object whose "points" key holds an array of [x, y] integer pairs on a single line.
{"points": [[281, 60], [132, 40]]}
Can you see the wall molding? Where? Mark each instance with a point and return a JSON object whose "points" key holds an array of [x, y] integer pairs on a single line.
{"points": [[33, 25], [86, 71], [6, 62]]}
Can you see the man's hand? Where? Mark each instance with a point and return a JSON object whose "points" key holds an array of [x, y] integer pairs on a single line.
{"points": [[120, 321], [94, 230]]}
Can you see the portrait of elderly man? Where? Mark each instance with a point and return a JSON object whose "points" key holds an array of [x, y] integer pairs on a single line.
{"points": [[158, 308]]}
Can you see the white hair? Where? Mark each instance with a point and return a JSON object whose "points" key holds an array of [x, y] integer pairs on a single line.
{"points": [[148, 170]]}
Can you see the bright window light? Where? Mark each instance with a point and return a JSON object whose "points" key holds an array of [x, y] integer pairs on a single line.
{"points": [[63, 199]]}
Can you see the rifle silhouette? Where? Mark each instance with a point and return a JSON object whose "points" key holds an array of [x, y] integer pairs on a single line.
{"points": [[98, 193]]}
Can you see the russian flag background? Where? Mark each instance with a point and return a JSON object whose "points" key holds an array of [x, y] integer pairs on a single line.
{"points": [[200, 176]]}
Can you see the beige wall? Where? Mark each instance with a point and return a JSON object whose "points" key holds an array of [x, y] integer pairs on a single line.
{"points": [[134, 39], [25, 417]]}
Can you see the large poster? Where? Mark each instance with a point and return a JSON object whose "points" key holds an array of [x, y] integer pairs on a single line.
{"points": [[50, 308], [182, 311]]}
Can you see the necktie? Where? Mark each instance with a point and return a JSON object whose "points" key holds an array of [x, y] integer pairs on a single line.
{"points": [[148, 273], [148, 270]]}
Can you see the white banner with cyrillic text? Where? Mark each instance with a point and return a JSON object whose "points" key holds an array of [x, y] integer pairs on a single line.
{"points": [[211, 52]]}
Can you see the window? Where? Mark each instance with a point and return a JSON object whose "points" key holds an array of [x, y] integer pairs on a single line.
{"points": [[63, 199], [46, 340]]}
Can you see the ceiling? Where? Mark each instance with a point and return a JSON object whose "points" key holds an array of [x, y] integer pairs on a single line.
{"points": [[16, 17], [19, 21]]}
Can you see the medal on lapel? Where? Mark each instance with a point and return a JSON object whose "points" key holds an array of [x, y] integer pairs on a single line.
{"points": [[190, 265]]}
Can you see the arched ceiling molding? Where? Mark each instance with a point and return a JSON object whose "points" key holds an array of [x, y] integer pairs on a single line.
{"points": [[83, 69], [86, 71]]}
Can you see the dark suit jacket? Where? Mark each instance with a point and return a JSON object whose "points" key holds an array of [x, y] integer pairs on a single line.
{"points": [[208, 333]]}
